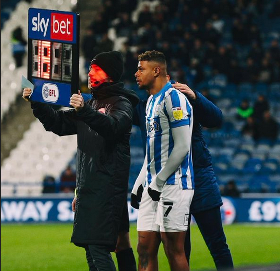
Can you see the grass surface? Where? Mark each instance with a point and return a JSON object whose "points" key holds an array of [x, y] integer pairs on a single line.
{"points": [[47, 247]]}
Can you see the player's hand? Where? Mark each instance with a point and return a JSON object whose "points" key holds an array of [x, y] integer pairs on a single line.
{"points": [[26, 94], [74, 204], [185, 89], [155, 188], [154, 194], [77, 101], [135, 199]]}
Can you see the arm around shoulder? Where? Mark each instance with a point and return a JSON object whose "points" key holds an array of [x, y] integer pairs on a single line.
{"points": [[207, 113]]}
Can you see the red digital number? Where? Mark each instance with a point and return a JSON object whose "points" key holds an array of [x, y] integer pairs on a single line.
{"points": [[41, 59], [46, 60]]}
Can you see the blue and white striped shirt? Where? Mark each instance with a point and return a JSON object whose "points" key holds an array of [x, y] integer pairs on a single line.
{"points": [[165, 110]]}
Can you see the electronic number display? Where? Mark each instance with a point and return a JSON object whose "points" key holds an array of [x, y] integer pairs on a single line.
{"points": [[53, 55]]}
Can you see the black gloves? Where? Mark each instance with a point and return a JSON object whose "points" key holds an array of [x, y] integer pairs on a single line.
{"points": [[135, 199], [154, 194]]}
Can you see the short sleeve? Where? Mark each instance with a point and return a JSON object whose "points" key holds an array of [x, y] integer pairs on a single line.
{"points": [[177, 109]]}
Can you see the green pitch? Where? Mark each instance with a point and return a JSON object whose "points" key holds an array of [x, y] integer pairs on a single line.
{"points": [[47, 247]]}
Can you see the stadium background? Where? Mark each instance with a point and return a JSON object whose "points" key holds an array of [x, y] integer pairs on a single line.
{"points": [[227, 49]]}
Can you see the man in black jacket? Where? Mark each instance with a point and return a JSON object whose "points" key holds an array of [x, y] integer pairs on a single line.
{"points": [[103, 127]]}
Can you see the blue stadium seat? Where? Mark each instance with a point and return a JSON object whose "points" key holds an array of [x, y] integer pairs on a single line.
{"points": [[270, 166], [245, 177], [132, 178], [224, 158], [274, 91], [220, 168], [253, 165], [224, 178], [259, 184], [245, 91], [218, 81], [227, 126], [230, 91], [234, 170], [227, 153], [266, 142], [261, 88], [232, 142], [243, 152], [207, 71], [242, 186]]}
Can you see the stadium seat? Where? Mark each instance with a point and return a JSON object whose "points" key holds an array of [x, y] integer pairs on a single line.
{"points": [[220, 167], [272, 163], [230, 91], [274, 91], [245, 88], [248, 146], [236, 167], [224, 178], [232, 142], [259, 184], [214, 151], [223, 102], [252, 165], [7, 190], [261, 88], [242, 186], [259, 155], [243, 153]]}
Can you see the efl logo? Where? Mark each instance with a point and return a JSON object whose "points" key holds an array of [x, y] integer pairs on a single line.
{"points": [[62, 26], [50, 92]]}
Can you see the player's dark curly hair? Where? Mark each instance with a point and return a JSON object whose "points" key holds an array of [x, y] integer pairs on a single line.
{"points": [[152, 56]]}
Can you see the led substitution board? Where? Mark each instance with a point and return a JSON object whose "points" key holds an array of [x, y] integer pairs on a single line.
{"points": [[53, 55]]}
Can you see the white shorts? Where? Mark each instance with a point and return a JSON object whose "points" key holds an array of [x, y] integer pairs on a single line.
{"points": [[170, 214]]}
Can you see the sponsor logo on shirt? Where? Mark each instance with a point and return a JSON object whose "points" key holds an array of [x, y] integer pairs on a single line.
{"points": [[177, 113]]}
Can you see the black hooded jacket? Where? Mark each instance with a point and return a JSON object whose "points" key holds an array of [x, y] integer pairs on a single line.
{"points": [[103, 128]]}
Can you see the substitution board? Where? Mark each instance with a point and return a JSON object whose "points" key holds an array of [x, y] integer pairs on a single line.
{"points": [[53, 55]]}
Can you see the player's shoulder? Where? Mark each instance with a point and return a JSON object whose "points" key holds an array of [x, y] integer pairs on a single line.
{"points": [[174, 93]]}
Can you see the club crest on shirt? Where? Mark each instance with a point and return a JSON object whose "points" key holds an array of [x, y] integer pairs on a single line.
{"points": [[154, 126], [177, 113]]}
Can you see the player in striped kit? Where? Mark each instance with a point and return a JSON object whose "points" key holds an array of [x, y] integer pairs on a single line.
{"points": [[167, 172]]}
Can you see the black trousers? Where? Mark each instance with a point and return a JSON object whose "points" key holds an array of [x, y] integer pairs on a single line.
{"points": [[210, 225], [99, 258]]}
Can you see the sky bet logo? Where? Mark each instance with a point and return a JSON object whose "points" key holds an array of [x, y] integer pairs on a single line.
{"points": [[51, 25]]}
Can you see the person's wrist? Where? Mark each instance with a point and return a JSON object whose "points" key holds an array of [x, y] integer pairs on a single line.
{"points": [[196, 99], [156, 185], [194, 95]]}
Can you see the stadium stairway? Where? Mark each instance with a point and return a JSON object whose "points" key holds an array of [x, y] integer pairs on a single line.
{"points": [[15, 123]]}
